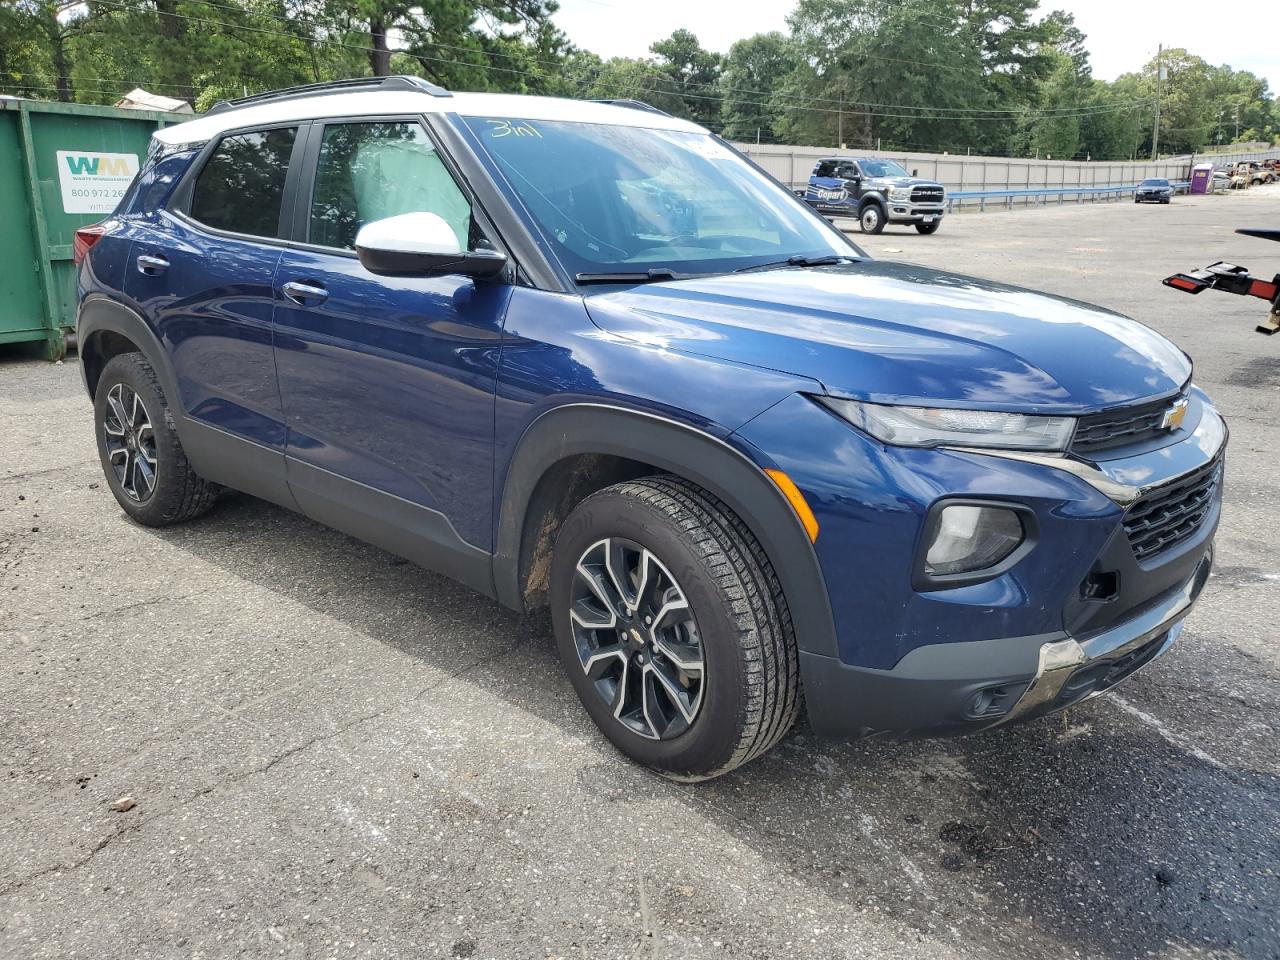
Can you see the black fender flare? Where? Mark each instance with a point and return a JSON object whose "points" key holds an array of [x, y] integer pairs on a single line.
{"points": [[589, 428], [871, 198], [98, 314]]}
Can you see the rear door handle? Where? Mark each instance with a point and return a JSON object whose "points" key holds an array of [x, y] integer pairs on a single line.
{"points": [[152, 266], [304, 294]]}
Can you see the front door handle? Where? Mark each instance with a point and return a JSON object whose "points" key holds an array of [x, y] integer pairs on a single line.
{"points": [[304, 294], [152, 266]]}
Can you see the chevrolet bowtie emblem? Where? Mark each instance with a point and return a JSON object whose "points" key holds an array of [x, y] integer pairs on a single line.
{"points": [[1174, 416]]}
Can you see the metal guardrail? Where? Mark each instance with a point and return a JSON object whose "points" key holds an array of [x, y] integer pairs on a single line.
{"points": [[1079, 192]]}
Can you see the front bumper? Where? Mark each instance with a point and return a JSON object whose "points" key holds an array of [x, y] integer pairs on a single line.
{"points": [[906, 658], [955, 688], [907, 212], [898, 211]]}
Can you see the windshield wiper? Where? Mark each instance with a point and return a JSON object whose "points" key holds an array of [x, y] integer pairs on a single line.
{"points": [[823, 261], [634, 276]]}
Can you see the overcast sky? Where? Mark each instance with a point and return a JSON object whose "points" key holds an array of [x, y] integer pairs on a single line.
{"points": [[1122, 33]]}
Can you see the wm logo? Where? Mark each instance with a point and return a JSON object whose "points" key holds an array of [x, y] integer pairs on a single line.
{"points": [[88, 165]]}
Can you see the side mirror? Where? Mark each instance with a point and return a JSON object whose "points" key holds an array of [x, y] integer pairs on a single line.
{"points": [[915, 171], [421, 244]]}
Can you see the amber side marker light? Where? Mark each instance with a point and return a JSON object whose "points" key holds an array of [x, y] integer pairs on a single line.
{"points": [[797, 501]]}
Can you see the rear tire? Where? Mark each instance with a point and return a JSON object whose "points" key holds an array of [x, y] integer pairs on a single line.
{"points": [[142, 457], [928, 228], [732, 690]]}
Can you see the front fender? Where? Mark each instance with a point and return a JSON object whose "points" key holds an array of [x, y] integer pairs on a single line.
{"points": [[720, 467]]}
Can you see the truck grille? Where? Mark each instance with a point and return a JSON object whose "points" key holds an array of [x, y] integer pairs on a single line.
{"points": [[1172, 514], [926, 195], [1115, 428]]}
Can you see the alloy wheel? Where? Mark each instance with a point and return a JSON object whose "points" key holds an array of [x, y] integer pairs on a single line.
{"points": [[130, 442], [637, 639]]}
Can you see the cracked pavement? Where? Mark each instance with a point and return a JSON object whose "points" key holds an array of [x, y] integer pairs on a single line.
{"points": [[334, 753]]}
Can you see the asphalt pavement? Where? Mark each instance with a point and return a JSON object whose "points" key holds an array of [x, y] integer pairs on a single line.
{"points": [[332, 753]]}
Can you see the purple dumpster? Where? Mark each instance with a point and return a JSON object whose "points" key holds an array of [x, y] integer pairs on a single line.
{"points": [[1202, 178]]}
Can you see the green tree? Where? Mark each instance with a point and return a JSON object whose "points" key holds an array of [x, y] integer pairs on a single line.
{"points": [[24, 53], [752, 71], [1055, 124], [622, 78], [691, 73], [43, 34], [1112, 128], [909, 73]]}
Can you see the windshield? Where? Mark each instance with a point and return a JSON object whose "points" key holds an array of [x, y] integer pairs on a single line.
{"points": [[1155, 183], [883, 168], [626, 199]]}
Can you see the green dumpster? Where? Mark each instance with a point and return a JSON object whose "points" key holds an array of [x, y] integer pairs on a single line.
{"points": [[62, 165]]}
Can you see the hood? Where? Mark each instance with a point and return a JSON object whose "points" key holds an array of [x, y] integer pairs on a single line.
{"points": [[896, 182], [907, 181], [898, 333]]}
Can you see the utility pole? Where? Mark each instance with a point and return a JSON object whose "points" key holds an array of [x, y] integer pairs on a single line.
{"points": [[1155, 132], [1237, 122], [840, 124]]}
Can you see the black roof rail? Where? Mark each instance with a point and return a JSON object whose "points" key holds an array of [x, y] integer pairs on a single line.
{"points": [[634, 105], [353, 84]]}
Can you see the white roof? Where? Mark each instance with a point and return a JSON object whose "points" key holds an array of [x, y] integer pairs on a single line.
{"points": [[398, 102]]}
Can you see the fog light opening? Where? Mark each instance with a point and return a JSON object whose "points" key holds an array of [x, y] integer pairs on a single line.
{"points": [[994, 701], [968, 538]]}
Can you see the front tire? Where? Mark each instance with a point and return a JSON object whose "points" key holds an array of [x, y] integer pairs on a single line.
{"points": [[142, 457], [672, 626], [927, 228], [871, 219]]}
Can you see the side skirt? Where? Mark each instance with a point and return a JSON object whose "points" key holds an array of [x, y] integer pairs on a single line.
{"points": [[235, 462], [399, 526], [409, 530]]}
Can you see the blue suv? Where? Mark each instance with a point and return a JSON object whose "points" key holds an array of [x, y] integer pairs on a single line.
{"points": [[586, 356]]}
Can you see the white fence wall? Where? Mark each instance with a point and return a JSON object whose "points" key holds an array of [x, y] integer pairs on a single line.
{"points": [[792, 165]]}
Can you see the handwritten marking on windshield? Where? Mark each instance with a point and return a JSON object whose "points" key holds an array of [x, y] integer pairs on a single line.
{"points": [[506, 128]]}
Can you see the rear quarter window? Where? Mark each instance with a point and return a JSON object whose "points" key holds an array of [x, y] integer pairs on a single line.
{"points": [[241, 186]]}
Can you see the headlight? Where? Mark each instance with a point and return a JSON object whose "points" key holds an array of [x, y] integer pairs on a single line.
{"points": [[900, 193], [941, 427], [970, 538]]}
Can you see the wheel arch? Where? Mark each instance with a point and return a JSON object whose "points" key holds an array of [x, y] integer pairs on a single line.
{"points": [[106, 328], [864, 202], [573, 450]]}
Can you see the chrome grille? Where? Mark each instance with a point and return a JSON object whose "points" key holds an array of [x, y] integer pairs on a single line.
{"points": [[1173, 513]]}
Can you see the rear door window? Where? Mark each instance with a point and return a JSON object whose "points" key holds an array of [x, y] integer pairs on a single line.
{"points": [[241, 187]]}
